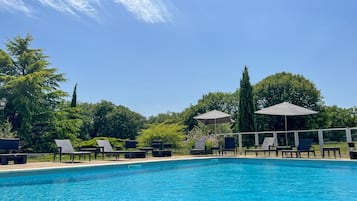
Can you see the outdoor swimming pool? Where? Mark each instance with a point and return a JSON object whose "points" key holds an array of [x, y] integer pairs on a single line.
{"points": [[201, 179]]}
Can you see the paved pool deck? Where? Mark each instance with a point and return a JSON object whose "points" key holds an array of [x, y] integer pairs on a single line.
{"points": [[85, 163]]}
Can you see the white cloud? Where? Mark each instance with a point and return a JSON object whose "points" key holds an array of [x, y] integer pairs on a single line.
{"points": [[73, 7], [151, 11], [15, 5]]}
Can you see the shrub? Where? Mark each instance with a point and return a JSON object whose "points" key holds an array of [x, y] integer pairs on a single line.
{"points": [[168, 133]]}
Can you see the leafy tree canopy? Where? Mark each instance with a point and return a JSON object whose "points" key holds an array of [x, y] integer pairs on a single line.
{"points": [[124, 123], [225, 102], [110, 120], [287, 87], [31, 88], [290, 88]]}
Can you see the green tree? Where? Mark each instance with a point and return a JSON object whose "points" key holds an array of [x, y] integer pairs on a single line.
{"points": [[31, 88], [110, 120], [87, 111], [291, 88], [169, 117], [100, 122], [225, 102], [124, 123], [246, 120], [336, 117]]}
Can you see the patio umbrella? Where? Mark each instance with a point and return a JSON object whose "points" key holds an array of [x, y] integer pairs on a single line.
{"points": [[285, 109], [214, 117]]}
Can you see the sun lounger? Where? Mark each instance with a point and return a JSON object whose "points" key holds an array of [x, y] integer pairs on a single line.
{"points": [[200, 146], [107, 149], [267, 145], [65, 147]]}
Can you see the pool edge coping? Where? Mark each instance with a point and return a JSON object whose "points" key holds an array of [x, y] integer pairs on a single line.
{"points": [[113, 163]]}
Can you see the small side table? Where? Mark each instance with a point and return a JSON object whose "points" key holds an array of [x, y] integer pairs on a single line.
{"points": [[94, 150], [217, 149], [279, 148], [328, 149]]}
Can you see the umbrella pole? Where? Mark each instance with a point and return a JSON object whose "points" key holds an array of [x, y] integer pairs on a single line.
{"points": [[286, 131], [215, 126]]}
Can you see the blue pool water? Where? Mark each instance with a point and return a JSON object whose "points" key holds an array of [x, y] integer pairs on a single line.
{"points": [[202, 179]]}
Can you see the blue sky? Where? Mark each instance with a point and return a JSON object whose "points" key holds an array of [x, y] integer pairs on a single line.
{"points": [[158, 56]]}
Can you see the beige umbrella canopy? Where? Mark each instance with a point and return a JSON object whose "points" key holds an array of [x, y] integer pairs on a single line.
{"points": [[214, 117], [285, 109]]}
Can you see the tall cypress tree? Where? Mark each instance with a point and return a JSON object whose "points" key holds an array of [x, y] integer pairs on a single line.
{"points": [[246, 120], [74, 97]]}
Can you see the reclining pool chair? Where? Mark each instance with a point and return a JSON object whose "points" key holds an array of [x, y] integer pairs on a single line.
{"points": [[303, 147], [65, 147], [200, 146], [106, 149], [267, 145]]}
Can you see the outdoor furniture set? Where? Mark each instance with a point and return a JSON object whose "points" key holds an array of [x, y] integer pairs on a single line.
{"points": [[160, 149], [305, 146], [105, 149], [9, 148]]}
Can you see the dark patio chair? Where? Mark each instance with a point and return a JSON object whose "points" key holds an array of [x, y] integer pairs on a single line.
{"points": [[65, 147], [156, 144], [130, 144], [229, 145], [160, 149], [9, 148], [352, 151], [303, 147]]}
